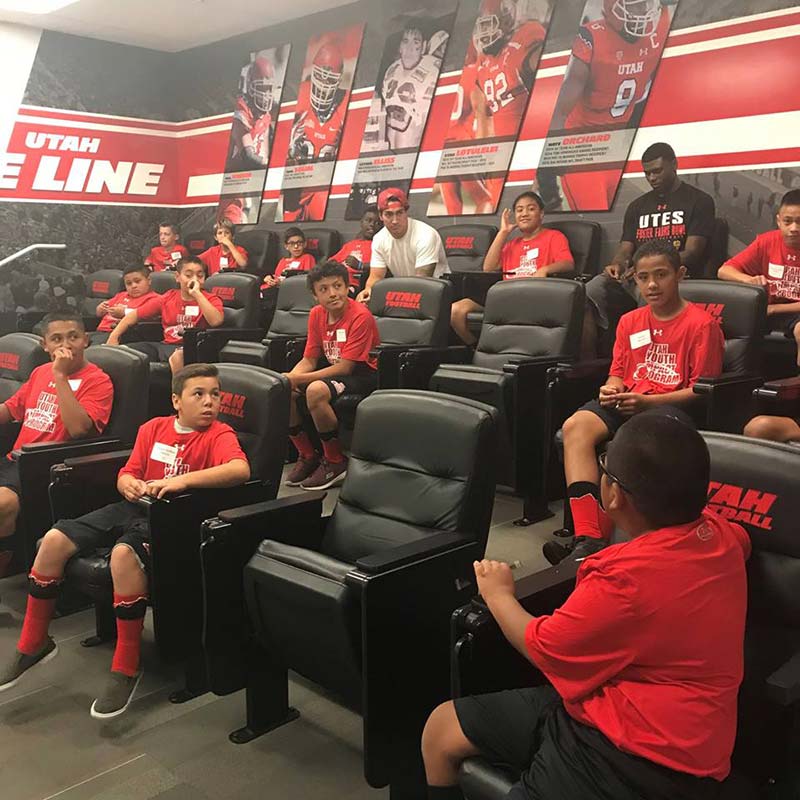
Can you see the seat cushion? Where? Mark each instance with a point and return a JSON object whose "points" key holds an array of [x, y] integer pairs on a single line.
{"points": [[302, 558], [91, 573], [479, 780]]}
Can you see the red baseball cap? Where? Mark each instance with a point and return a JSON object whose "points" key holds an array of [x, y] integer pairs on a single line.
{"points": [[392, 195]]}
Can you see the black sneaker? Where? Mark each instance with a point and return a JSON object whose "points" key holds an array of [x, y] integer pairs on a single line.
{"points": [[303, 468], [327, 474], [20, 664], [578, 548], [116, 696]]}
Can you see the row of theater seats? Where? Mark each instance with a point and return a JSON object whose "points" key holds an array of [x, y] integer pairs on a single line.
{"points": [[246, 587]]}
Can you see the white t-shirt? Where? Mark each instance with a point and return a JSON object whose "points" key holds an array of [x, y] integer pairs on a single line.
{"points": [[420, 247]]}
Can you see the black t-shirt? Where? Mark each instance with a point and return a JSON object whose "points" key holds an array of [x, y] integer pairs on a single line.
{"points": [[685, 212]]}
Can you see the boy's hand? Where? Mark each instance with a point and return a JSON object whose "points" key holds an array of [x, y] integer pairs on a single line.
{"points": [[118, 312], [194, 289], [112, 342], [507, 223], [62, 361], [293, 382], [164, 486], [608, 396], [269, 281], [363, 297], [132, 489], [630, 403], [494, 579], [104, 307]]}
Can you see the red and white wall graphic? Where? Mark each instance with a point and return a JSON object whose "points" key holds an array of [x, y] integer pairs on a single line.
{"points": [[735, 113]]}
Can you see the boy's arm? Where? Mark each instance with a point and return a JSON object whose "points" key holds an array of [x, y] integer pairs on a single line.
{"points": [[126, 323], [213, 315], [783, 308], [233, 473], [555, 268], [496, 586], [75, 418], [343, 366], [5, 415], [492, 260], [239, 255]]}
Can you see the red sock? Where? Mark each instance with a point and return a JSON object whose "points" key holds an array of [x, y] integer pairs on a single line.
{"points": [[589, 518], [38, 614], [303, 445], [129, 633], [332, 450]]}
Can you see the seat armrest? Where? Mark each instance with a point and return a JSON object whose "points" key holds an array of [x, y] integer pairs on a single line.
{"points": [[704, 385], [519, 364], [146, 331], [405, 554], [783, 686], [784, 389], [204, 344], [595, 367], [87, 444], [417, 366], [97, 459]]}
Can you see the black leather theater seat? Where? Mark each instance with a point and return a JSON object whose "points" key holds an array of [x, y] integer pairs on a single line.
{"points": [[322, 243]]}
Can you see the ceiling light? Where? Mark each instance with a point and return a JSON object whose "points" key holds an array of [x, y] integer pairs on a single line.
{"points": [[35, 6]]}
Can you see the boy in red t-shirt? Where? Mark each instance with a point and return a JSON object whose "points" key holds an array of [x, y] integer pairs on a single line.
{"points": [[69, 398], [661, 349], [169, 251], [225, 254], [341, 335], [357, 253], [192, 450], [773, 261], [537, 253], [294, 240], [643, 660], [138, 300], [188, 306]]}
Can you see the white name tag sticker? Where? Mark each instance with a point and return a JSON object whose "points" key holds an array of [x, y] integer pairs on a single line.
{"points": [[192, 311], [341, 335], [175, 256], [641, 339], [164, 453], [294, 265], [74, 384], [776, 271], [223, 262], [129, 310]]}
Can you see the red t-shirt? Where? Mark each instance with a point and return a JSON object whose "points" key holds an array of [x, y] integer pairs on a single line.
{"points": [[304, 263], [36, 403], [162, 258], [161, 452], [654, 356], [178, 314], [215, 259], [520, 258], [352, 336], [358, 248], [768, 255], [648, 648], [147, 306]]}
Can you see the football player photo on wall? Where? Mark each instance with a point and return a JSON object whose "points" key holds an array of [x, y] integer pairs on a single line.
{"points": [[613, 64], [255, 117], [322, 101], [489, 106], [404, 89]]}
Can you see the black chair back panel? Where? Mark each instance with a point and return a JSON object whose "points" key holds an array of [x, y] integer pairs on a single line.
{"points": [[101, 285], [293, 306], [322, 243], [717, 248], [742, 311], [239, 293], [198, 242], [262, 250], [466, 245], [20, 354], [255, 403], [437, 447], [412, 311], [164, 281], [530, 317], [584, 243], [130, 376]]}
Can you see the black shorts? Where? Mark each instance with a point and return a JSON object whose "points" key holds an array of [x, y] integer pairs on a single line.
{"points": [[363, 380], [118, 523], [614, 420], [529, 733], [9, 475], [98, 337], [157, 352], [784, 323]]}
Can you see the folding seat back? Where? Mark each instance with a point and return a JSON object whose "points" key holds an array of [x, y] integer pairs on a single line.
{"points": [[129, 375], [753, 482], [239, 293], [396, 455], [101, 285], [526, 318], [742, 311], [584, 243], [322, 243], [198, 242], [20, 354], [251, 405], [467, 245], [164, 281], [293, 306], [262, 250], [412, 311]]}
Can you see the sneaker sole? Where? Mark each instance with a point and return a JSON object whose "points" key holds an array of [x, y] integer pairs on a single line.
{"points": [[332, 482], [112, 714], [49, 657]]}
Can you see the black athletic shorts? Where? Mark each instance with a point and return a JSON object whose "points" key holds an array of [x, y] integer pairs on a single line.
{"points": [[784, 323], [117, 523], [614, 420], [157, 352], [9, 475], [529, 733], [363, 380]]}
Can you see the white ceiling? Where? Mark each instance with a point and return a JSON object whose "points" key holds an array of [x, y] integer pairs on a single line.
{"points": [[169, 25]]}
